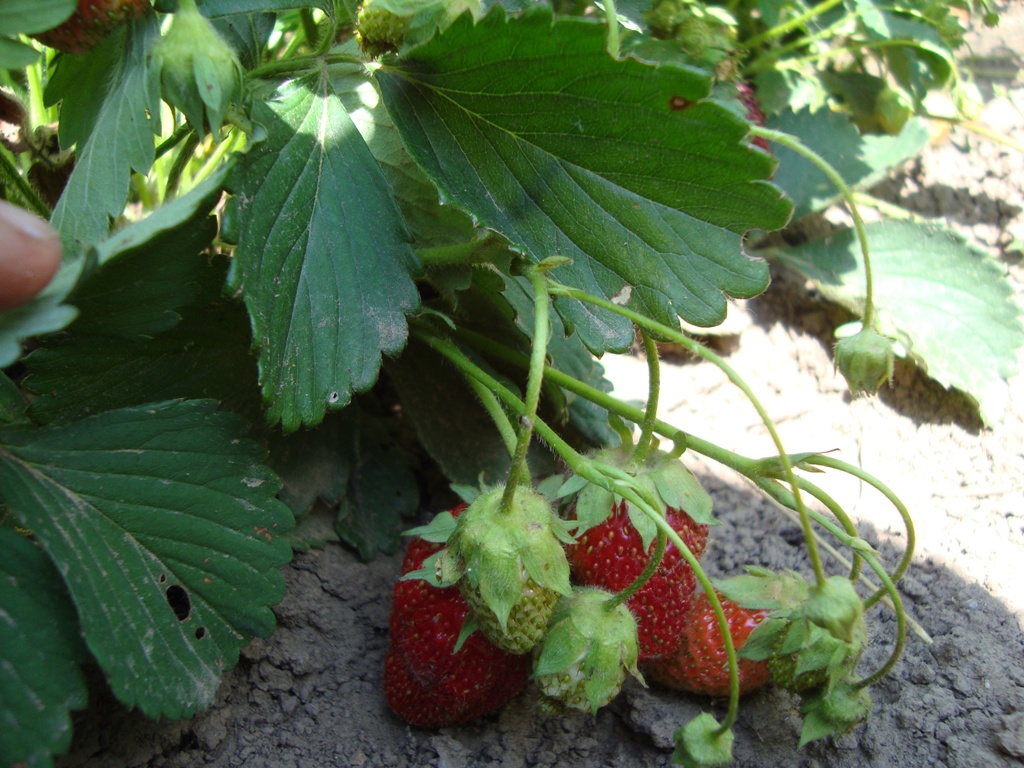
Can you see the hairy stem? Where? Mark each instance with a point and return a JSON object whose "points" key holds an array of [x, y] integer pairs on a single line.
{"points": [[518, 472], [793, 143], [643, 445]]}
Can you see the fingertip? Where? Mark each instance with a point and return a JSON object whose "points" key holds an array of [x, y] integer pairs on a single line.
{"points": [[30, 255]]}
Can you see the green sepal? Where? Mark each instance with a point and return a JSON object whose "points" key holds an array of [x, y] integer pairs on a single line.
{"points": [[586, 630], [834, 712], [762, 589], [469, 626], [497, 547], [700, 743], [836, 607], [437, 531]]}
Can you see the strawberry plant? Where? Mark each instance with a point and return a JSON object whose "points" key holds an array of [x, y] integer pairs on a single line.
{"points": [[317, 255]]}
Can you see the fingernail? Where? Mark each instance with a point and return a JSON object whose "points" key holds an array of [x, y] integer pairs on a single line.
{"points": [[27, 222]]}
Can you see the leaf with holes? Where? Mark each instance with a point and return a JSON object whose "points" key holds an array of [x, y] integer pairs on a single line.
{"points": [[40, 654], [623, 166], [163, 522], [323, 258]]}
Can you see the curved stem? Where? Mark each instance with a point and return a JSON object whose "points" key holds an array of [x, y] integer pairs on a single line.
{"points": [[793, 143], [649, 570], [541, 329], [855, 544], [497, 414], [643, 445], [878, 485]]}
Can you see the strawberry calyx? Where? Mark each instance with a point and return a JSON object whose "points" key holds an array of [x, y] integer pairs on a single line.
{"points": [[835, 711], [590, 647], [200, 74], [803, 656], [866, 360], [510, 565]]}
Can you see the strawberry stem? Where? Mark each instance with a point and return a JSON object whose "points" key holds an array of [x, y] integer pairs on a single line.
{"points": [[649, 570], [612, 16], [519, 473], [643, 445], [797, 21], [793, 143]]}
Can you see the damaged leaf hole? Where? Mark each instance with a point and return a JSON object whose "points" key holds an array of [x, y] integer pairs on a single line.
{"points": [[180, 602]]}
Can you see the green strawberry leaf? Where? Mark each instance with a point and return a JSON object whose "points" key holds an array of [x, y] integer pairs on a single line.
{"points": [[450, 423], [949, 302], [12, 402], [327, 288], [29, 16], [164, 525], [622, 166], [204, 356], [114, 137], [15, 54], [40, 654], [862, 160], [430, 223], [121, 141], [350, 462], [701, 743]]}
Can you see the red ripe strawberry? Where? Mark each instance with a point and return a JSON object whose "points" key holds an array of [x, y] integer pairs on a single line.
{"points": [[610, 555], [92, 21], [700, 665], [425, 681], [754, 114]]}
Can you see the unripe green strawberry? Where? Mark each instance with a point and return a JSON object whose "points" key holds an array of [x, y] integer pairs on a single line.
{"points": [[380, 31], [384, 26], [589, 648], [92, 21], [510, 565], [866, 360], [893, 108], [199, 71]]}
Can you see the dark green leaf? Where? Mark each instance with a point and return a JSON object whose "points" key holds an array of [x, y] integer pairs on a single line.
{"points": [[150, 270], [622, 166], [451, 424], [204, 356], [12, 403], [248, 34], [382, 490], [431, 223], [121, 141], [40, 653], [30, 16], [350, 463], [164, 525], [79, 84], [15, 54], [323, 258], [950, 303]]}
